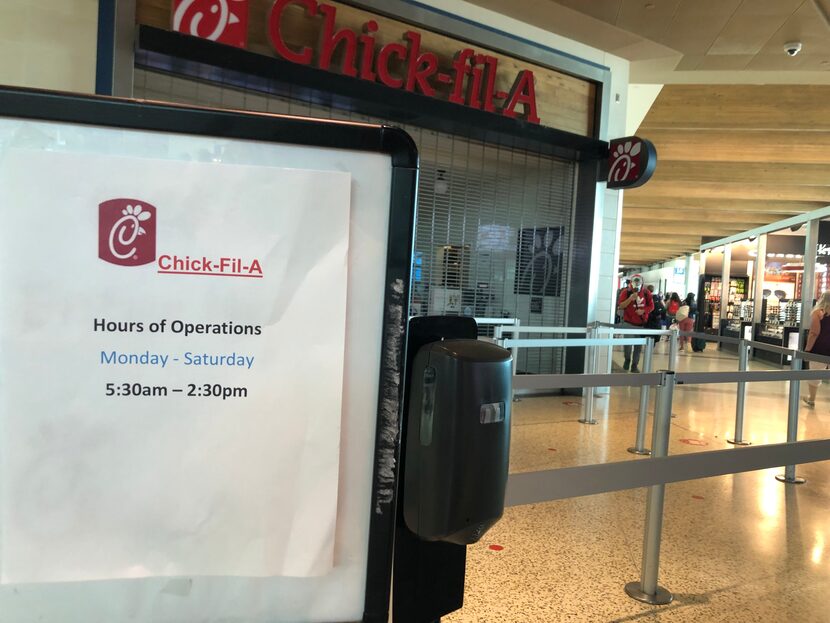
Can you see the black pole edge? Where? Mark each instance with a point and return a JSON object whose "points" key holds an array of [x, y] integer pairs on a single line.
{"points": [[401, 146], [168, 117], [105, 53]]}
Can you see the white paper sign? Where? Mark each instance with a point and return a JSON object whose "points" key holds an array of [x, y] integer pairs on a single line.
{"points": [[176, 414]]}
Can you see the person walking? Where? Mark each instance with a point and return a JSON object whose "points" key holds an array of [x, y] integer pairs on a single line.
{"points": [[686, 314], [672, 306], [818, 341], [657, 317], [636, 304], [618, 312]]}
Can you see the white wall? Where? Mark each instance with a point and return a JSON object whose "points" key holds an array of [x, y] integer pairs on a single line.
{"points": [[640, 99], [50, 45], [680, 283]]}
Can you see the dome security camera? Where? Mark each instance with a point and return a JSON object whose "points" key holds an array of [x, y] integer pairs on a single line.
{"points": [[792, 48]]}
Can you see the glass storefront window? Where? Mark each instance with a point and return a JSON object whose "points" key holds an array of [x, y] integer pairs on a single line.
{"points": [[783, 276], [738, 312], [822, 283], [710, 290]]}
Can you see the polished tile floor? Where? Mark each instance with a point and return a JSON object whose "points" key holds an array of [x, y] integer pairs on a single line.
{"points": [[736, 548]]}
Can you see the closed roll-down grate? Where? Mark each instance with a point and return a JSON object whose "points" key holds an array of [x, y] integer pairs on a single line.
{"points": [[493, 235]]}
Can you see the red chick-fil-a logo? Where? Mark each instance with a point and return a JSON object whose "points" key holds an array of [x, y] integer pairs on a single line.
{"points": [[127, 237], [223, 21], [631, 162], [469, 81], [126, 232]]}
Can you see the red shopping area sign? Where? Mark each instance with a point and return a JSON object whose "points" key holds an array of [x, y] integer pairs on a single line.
{"points": [[631, 162]]}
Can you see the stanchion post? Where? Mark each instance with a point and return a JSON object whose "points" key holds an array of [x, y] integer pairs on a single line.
{"points": [[640, 441], [588, 392], [610, 350], [515, 352], [789, 476], [595, 357], [646, 589], [743, 360], [673, 350]]}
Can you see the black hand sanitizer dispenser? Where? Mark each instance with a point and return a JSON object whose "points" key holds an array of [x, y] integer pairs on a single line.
{"points": [[458, 440]]}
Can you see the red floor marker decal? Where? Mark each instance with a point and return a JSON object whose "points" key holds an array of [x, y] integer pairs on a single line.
{"points": [[496, 548], [694, 442], [552, 449], [698, 497], [572, 403]]}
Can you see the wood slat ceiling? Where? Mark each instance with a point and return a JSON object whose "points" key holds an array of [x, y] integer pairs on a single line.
{"points": [[730, 158]]}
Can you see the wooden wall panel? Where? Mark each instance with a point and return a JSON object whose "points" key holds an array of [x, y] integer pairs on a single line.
{"points": [[735, 145], [707, 190], [730, 156], [760, 173], [751, 107], [762, 209], [563, 102]]}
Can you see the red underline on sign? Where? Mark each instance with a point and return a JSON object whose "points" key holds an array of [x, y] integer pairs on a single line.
{"points": [[182, 272]]}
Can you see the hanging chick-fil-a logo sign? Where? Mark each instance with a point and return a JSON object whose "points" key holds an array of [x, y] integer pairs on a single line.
{"points": [[126, 232], [631, 162], [224, 21]]}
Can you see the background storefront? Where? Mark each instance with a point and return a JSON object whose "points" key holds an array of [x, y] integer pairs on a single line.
{"points": [[775, 275]]}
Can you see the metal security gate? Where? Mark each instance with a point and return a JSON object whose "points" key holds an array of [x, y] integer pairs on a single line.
{"points": [[493, 236]]}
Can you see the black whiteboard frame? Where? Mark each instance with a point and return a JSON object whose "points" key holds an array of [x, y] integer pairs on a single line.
{"points": [[179, 119]]}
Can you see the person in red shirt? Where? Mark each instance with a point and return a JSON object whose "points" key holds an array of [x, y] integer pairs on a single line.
{"points": [[636, 304]]}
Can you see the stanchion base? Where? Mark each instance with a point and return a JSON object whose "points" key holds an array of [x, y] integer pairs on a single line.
{"points": [[584, 421], [660, 598], [735, 442], [790, 481], [638, 451]]}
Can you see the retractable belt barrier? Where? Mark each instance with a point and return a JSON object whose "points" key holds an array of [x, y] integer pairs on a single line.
{"points": [[588, 397], [535, 487]]}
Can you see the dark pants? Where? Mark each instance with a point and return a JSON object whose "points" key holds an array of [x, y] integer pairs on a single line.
{"points": [[634, 357]]}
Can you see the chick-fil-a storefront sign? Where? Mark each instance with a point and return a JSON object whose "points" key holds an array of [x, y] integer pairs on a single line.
{"points": [[470, 80]]}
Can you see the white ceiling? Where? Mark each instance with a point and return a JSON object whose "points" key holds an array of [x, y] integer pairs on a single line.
{"points": [[694, 41]]}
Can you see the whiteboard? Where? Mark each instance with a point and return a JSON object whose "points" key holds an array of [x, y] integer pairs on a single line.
{"points": [[227, 589]]}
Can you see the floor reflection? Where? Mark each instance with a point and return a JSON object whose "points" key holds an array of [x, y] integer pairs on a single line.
{"points": [[741, 547]]}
